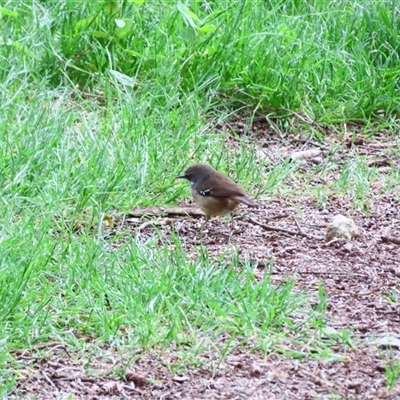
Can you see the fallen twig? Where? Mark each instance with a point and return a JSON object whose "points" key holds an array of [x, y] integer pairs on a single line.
{"points": [[280, 216], [391, 239], [165, 221], [331, 291], [46, 377], [297, 225], [155, 211], [299, 232], [331, 273], [41, 346], [335, 240]]}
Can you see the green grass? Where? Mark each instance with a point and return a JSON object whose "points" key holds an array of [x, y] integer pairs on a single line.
{"points": [[331, 60], [104, 104], [392, 372]]}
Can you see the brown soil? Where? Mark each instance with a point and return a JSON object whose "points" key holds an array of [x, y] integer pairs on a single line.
{"points": [[361, 278]]}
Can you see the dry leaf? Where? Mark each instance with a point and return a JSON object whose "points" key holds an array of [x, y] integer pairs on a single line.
{"points": [[306, 154], [255, 370], [110, 386], [137, 379], [389, 340], [108, 221], [180, 379], [356, 141]]}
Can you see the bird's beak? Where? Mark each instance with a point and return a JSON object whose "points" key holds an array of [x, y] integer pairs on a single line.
{"points": [[181, 177]]}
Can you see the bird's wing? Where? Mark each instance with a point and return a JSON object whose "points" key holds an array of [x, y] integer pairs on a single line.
{"points": [[225, 188], [238, 195], [229, 189], [225, 192]]}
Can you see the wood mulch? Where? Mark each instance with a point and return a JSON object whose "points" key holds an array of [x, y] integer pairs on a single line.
{"points": [[361, 279]]}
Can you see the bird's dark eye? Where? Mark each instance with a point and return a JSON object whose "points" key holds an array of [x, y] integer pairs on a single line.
{"points": [[206, 192]]}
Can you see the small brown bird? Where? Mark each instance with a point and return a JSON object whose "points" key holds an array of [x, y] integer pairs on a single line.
{"points": [[215, 193]]}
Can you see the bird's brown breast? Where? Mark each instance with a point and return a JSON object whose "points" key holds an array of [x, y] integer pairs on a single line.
{"points": [[214, 206]]}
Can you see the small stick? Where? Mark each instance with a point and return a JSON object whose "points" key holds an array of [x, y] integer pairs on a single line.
{"points": [[336, 291], [166, 221], [293, 233], [297, 225], [46, 377], [391, 239], [331, 273], [335, 240], [277, 217], [333, 291]]}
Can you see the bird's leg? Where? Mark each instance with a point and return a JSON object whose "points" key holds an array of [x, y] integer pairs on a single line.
{"points": [[202, 226], [232, 223]]}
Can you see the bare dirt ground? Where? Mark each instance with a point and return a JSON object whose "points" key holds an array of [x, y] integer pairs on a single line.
{"points": [[361, 278]]}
